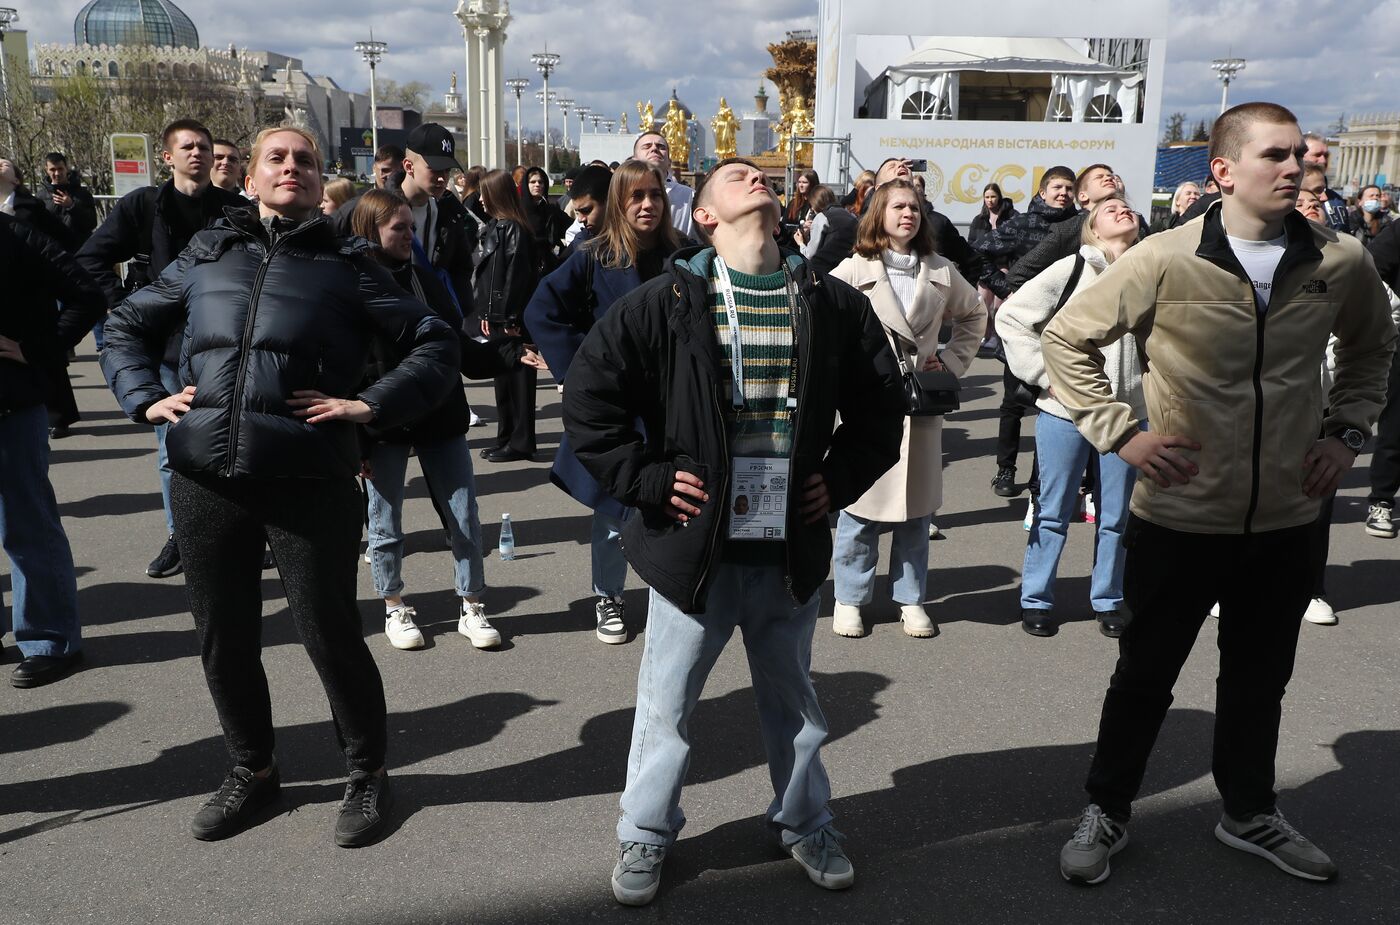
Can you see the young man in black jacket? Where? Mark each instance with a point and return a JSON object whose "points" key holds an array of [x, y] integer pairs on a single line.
{"points": [[34, 341], [67, 200], [737, 361], [150, 227]]}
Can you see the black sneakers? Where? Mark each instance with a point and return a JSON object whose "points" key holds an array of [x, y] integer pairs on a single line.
{"points": [[364, 809], [1004, 483], [168, 562], [235, 804]]}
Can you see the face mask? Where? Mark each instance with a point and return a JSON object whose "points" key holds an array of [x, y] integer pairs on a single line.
{"points": [[1372, 205]]}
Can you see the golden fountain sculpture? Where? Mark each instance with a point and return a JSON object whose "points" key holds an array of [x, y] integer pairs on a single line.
{"points": [[646, 118], [726, 131], [677, 138]]}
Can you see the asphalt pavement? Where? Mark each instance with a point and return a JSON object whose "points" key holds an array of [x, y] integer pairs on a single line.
{"points": [[957, 763]]}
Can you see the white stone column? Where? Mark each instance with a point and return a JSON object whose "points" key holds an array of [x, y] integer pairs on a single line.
{"points": [[495, 69]]}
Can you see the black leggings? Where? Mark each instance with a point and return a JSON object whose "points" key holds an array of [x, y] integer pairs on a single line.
{"points": [[313, 527]]}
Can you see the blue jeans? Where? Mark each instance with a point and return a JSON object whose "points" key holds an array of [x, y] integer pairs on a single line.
{"points": [[609, 564], [448, 467], [170, 379], [681, 649], [1064, 454], [858, 551], [45, 591]]}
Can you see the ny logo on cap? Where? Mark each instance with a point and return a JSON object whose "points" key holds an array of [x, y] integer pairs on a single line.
{"points": [[447, 146]]}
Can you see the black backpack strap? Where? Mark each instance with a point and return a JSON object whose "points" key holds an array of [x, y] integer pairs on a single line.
{"points": [[1070, 285]]}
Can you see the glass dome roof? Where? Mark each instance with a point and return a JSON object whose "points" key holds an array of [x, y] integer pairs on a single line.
{"points": [[134, 22]]}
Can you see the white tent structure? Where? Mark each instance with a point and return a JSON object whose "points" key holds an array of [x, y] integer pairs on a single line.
{"points": [[924, 84]]}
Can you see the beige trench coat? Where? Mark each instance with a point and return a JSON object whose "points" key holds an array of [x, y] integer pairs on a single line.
{"points": [[914, 486]]}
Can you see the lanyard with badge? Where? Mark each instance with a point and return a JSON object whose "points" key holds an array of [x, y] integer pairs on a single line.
{"points": [[758, 492]]}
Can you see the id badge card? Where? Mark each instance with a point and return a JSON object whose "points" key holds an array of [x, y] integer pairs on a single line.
{"points": [[758, 498]]}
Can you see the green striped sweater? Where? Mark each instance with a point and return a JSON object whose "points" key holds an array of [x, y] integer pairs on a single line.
{"points": [[765, 322]]}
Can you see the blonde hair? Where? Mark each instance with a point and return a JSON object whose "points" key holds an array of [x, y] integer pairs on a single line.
{"points": [[616, 245], [1088, 235], [256, 154], [339, 191]]}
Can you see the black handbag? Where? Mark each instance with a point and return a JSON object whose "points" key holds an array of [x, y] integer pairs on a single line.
{"points": [[927, 392]]}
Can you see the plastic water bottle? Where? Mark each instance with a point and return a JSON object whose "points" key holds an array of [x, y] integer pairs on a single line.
{"points": [[506, 548]]}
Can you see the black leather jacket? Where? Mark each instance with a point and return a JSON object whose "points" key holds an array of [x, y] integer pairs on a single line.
{"points": [[507, 272], [265, 313]]}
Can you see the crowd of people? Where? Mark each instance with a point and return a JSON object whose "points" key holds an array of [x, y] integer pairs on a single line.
{"points": [[738, 375]]}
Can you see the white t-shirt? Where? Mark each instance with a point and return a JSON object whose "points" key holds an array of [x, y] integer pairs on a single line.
{"points": [[1260, 260], [423, 218]]}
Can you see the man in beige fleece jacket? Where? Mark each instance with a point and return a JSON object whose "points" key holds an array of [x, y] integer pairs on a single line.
{"points": [[1233, 312]]}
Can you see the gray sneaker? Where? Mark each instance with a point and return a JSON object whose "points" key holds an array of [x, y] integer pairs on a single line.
{"points": [[1272, 838], [823, 859], [637, 875], [1084, 858]]}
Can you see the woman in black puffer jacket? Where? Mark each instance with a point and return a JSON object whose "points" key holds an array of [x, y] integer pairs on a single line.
{"points": [[507, 271], [278, 315]]}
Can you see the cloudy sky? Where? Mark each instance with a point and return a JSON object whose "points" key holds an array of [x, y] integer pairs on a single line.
{"points": [[1320, 57]]}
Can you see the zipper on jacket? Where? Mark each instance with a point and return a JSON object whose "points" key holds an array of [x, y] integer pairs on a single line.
{"points": [[713, 546], [236, 412], [802, 340], [1260, 318]]}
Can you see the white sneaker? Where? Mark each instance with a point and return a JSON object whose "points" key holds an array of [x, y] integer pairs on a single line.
{"points": [[403, 633], [916, 621], [612, 625], [933, 532], [472, 624], [846, 621], [367, 562], [1091, 513], [1320, 612], [1030, 514], [1215, 610]]}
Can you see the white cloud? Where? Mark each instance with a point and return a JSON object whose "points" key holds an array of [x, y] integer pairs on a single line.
{"points": [[1320, 57]]}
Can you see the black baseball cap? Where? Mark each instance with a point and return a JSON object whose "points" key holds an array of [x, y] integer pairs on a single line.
{"points": [[435, 145]]}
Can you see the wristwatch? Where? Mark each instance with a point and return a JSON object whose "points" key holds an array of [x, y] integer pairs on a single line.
{"points": [[1351, 438]]}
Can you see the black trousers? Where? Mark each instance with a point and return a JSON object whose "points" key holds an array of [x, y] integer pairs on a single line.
{"points": [[515, 409], [1170, 581], [1320, 546], [1385, 458], [313, 527], [1009, 427]]}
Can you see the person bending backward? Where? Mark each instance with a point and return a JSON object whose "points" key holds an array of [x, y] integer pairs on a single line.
{"points": [[1063, 453], [736, 360], [438, 438], [913, 292], [1233, 314], [631, 246], [277, 315]]}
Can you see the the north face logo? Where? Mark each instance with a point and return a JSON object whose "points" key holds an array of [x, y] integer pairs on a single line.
{"points": [[1315, 286]]}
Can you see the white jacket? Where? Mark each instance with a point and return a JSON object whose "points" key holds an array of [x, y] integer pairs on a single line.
{"points": [[1024, 315]]}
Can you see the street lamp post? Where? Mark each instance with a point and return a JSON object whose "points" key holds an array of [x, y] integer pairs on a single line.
{"points": [[1226, 69], [541, 97], [7, 16], [609, 125], [518, 84], [546, 61], [597, 121], [583, 113], [372, 51], [564, 105]]}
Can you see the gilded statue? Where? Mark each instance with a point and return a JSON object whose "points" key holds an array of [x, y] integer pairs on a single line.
{"points": [[676, 134], [803, 127], [454, 82], [726, 130], [646, 118]]}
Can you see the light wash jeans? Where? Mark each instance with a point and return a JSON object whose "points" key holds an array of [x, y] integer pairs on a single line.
{"points": [[609, 564], [170, 379], [1064, 455], [681, 649], [858, 552], [447, 464], [44, 588]]}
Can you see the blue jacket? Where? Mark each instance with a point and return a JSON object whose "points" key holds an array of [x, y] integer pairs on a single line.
{"points": [[558, 318]]}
